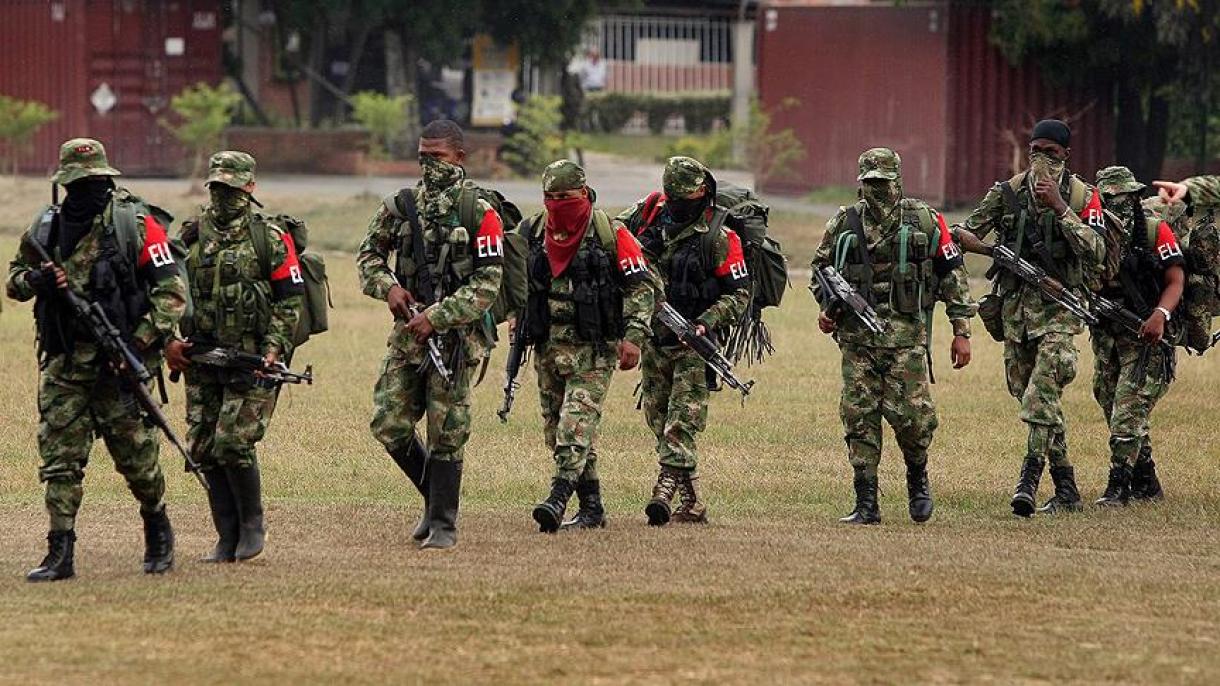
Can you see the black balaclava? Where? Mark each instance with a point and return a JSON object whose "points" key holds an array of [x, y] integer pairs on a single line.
{"points": [[87, 198]]}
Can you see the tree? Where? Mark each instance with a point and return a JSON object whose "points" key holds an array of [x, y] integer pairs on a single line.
{"points": [[19, 121], [1149, 52], [204, 111]]}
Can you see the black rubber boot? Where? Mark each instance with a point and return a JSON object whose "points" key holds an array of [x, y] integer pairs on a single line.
{"points": [[1067, 496], [549, 512], [413, 461], [58, 564], [919, 493], [248, 487], [658, 509], [866, 511], [224, 516], [1145, 485], [158, 542], [592, 514], [691, 510], [1118, 490], [1024, 500], [444, 492]]}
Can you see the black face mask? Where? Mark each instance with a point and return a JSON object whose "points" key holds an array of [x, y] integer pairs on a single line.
{"points": [[685, 210], [87, 198]]}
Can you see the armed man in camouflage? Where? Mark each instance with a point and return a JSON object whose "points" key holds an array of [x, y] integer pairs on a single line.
{"points": [[1051, 217], [898, 253], [703, 270], [1131, 373], [246, 289], [111, 247], [589, 306], [443, 280]]}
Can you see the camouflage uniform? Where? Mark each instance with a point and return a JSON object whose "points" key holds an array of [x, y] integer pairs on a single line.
{"points": [[1204, 192], [710, 288], [1039, 353], [239, 303], [78, 398], [886, 374], [1129, 377], [574, 372], [409, 388]]}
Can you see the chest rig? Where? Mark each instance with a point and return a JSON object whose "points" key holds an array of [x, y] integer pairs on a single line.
{"points": [[229, 287], [688, 263], [433, 257], [898, 268], [592, 298], [1035, 233]]}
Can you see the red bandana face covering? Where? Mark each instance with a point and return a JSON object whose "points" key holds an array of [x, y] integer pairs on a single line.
{"points": [[570, 218]]}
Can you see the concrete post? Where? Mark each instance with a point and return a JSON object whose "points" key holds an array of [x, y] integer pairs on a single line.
{"points": [[743, 85]]}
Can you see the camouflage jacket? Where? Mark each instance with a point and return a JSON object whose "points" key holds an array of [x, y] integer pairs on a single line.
{"points": [[945, 273], [217, 295], [462, 310], [1204, 191], [155, 269], [1026, 313]]}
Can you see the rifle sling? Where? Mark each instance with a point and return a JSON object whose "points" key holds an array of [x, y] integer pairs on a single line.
{"points": [[855, 224]]}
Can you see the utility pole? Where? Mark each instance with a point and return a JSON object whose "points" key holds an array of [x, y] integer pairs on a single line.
{"points": [[743, 81]]}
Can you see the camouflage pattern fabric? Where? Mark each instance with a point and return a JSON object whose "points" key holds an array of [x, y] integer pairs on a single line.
{"points": [[226, 417], [682, 176], [880, 163], [675, 394], [572, 383], [1116, 180], [563, 175], [889, 383], [407, 392], [1037, 372], [81, 157], [1204, 191], [232, 168], [75, 409], [1126, 400]]}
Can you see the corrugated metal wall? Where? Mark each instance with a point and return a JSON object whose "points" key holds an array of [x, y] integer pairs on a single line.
{"points": [[61, 52]]}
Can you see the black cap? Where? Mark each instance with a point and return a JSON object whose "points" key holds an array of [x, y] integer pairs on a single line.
{"points": [[1052, 130]]}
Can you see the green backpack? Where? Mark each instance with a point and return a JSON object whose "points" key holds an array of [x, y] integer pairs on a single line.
{"points": [[768, 268], [1199, 238], [314, 312]]}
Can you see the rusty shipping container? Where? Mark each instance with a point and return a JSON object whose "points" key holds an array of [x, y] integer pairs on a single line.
{"points": [[109, 68], [921, 78]]}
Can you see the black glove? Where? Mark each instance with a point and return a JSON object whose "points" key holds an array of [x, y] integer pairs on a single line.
{"points": [[42, 280]]}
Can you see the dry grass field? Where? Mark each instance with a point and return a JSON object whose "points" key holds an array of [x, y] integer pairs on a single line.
{"points": [[772, 590]]}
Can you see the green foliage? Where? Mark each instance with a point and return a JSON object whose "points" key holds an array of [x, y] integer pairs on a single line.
{"points": [[537, 141], [19, 121], [203, 112], [385, 117], [770, 152], [714, 150], [700, 111]]}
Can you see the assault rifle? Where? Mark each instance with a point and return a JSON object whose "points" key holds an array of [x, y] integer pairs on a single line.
{"points": [[227, 358], [1030, 273], [837, 295], [124, 361], [436, 351], [517, 354], [703, 347], [1126, 319]]}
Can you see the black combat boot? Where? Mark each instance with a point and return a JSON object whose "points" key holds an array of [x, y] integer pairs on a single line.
{"points": [[866, 511], [919, 493], [549, 512], [248, 487], [444, 492], [224, 516], [158, 542], [1024, 500], [1118, 490], [1144, 482], [1067, 497], [58, 564], [662, 494], [591, 515], [413, 461], [692, 510]]}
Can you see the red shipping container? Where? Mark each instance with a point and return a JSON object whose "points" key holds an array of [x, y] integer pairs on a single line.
{"points": [[109, 67]]}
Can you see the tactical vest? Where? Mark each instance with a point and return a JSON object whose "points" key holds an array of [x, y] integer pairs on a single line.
{"points": [[230, 288], [1138, 281], [597, 291], [899, 270], [433, 259], [691, 284], [1036, 235]]}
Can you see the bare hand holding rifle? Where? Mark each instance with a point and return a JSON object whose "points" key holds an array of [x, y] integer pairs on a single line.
{"points": [[219, 357], [124, 361], [837, 295], [703, 346], [405, 308], [1028, 272]]}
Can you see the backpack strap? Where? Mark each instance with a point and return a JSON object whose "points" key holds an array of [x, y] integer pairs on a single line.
{"points": [[126, 234], [260, 237], [648, 213], [605, 232], [1078, 194], [855, 226], [468, 202]]}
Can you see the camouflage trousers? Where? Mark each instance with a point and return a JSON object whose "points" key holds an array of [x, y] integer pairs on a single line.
{"points": [[406, 393], [72, 414], [572, 383], [1127, 400], [890, 384], [675, 394], [1037, 371], [225, 420]]}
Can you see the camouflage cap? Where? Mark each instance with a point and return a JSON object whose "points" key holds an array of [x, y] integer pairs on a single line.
{"points": [[1116, 180], [232, 168], [563, 175], [81, 157], [880, 163], [683, 176]]}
